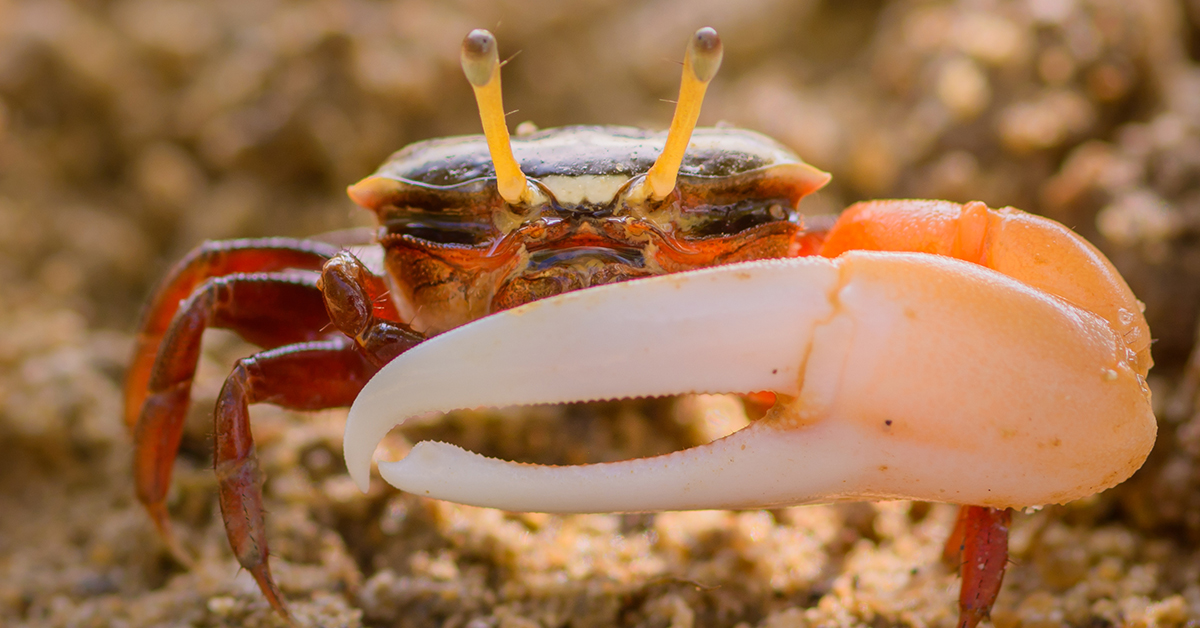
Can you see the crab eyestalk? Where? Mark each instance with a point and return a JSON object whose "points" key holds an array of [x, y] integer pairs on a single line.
{"points": [[481, 64], [700, 65]]}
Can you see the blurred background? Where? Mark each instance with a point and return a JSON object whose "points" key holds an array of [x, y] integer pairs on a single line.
{"points": [[133, 130]]}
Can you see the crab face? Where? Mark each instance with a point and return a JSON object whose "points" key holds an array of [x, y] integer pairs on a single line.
{"points": [[456, 250]]}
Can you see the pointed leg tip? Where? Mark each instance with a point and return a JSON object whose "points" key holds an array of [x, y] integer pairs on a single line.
{"points": [[162, 522], [266, 584], [970, 618], [956, 543], [179, 554]]}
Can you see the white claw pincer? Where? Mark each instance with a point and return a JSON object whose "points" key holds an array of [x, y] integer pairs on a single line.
{"points": [[899, 375]]}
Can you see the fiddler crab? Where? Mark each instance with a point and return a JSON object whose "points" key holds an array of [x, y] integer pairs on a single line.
{"points": [[920, 350]]}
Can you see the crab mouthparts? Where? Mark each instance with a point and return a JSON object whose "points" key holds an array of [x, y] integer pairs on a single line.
{"points": [[586, 258]]}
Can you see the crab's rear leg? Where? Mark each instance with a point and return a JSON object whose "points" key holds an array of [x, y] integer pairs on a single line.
{"points": [[309, 376]]}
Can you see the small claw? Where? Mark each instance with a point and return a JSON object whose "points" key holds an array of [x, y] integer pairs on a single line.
{"points": [[900, 376]]}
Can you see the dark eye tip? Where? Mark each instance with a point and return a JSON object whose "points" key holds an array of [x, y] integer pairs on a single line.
{"points": [[478, 43], [707, 39]]}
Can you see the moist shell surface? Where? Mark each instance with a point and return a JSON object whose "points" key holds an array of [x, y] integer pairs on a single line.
{"points": [[585, 150]]}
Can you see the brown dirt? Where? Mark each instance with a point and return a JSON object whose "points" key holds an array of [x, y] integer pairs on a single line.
{"points": [[132, 130]]}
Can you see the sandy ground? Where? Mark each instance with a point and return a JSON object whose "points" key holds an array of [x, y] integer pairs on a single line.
{"points": [[132, 130]]}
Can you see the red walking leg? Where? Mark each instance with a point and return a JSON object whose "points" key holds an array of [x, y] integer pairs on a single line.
{"points": [[952, 552], [267, 309], [211, 259], [307, 376], [980, 543]]}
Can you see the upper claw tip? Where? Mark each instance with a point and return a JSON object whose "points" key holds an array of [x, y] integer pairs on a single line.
{"points": [[363, 484]]}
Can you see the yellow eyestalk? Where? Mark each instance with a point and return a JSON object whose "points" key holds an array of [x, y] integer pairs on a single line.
{"points": [[700, 65], [481, 64]]}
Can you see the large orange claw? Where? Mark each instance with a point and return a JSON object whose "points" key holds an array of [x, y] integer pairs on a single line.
{"points": [[900, 374], [1034, 250], [933, 351]]}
